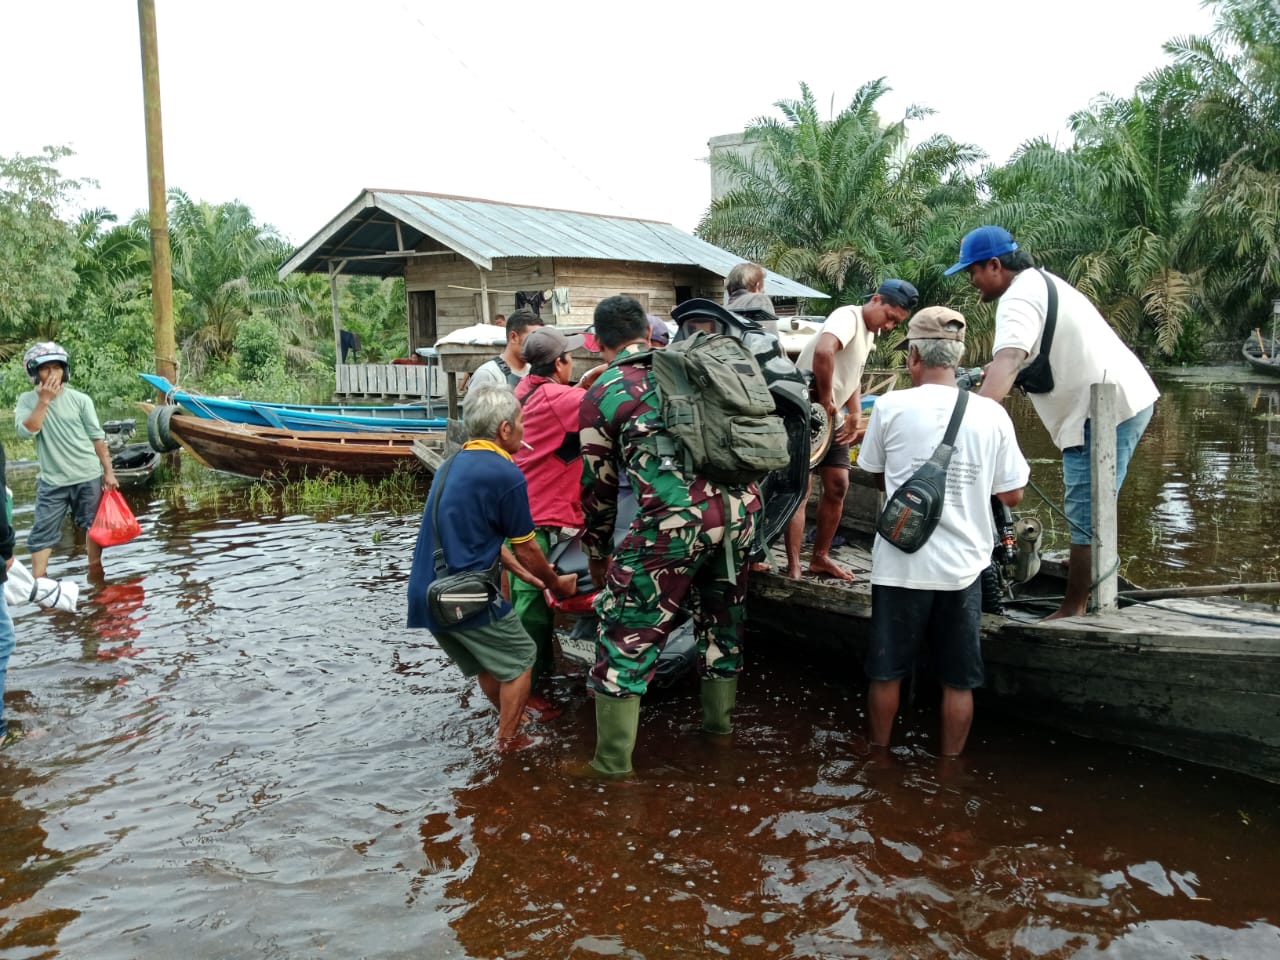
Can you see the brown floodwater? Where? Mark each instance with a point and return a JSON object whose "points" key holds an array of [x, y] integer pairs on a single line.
{"points": [[234, 749]]}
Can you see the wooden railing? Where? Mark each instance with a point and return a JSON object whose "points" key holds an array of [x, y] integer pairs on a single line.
{"points": [[390, 381]]}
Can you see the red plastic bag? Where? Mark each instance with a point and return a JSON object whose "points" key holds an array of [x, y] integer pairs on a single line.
{"points": [[114, 523]]}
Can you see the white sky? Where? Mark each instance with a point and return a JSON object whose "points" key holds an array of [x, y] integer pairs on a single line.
{"points": [[294, 107]]}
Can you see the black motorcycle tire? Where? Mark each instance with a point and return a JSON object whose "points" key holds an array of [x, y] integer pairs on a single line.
{"points": [[158, 434]]}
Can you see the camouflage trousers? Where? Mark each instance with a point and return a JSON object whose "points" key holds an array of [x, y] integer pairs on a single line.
{"points": [[686, 559]]}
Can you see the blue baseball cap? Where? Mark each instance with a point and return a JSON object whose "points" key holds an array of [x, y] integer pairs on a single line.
{"points": [[898, 292], [982, 243]]}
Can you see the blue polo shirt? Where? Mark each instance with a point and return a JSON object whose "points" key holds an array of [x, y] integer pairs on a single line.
{"points": [[483, 501]]}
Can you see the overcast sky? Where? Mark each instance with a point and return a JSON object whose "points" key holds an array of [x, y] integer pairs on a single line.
{"points": [[295, 107]]}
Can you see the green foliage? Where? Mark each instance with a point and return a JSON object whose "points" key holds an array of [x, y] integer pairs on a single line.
{"points": [[37, 249], [841, 203]]}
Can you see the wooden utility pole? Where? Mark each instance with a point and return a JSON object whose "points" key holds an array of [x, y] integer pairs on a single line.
{"points": [[166, 358]]}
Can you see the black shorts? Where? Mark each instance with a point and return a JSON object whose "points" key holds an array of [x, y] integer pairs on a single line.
{"points": [[949, 621], [837, 456]]}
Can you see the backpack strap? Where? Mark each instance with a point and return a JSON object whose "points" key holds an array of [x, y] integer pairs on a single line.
{"points": [[1051, 316], [437, 557], [512, 377]]}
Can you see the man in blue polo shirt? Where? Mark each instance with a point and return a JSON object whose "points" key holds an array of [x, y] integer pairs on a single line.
{"points": [[483, 501]]}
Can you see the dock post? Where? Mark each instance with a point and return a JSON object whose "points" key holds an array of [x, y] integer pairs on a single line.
{"points": [[1106, 551]]}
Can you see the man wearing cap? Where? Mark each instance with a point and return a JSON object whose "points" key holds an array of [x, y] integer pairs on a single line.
{"points": [[1084, 350], [934, 595], [836, 356], [659, 332], [551, 461]]}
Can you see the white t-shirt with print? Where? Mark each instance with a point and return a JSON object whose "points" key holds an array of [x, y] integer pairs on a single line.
{"points": [[905, 427], [1085, 351], [856, 343]]}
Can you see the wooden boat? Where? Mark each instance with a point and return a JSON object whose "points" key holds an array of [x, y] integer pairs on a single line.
{"points": [[253, 451], [1189, 677], [288, 416], [1264, 361]]}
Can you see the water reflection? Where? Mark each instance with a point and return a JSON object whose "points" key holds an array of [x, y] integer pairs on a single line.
{"points": [[281, 770], [1201, 486]]}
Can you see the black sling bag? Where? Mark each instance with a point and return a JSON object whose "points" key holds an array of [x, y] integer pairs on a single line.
{"points": [[909, 518]]}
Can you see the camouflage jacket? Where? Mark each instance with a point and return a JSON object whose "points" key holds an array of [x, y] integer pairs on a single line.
{"points": [[619, 416]]}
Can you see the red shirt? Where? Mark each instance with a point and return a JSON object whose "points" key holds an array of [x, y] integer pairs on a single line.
{"points": [[553, 468]]}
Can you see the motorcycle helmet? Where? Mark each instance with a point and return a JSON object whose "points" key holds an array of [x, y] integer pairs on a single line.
{"points": [[47, 352]]}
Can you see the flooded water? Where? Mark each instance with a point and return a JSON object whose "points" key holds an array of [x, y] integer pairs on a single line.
{"points": [[234, 749]]}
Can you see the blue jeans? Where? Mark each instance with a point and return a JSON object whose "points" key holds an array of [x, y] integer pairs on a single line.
{"points": [[6, 648], [1077, 475]]}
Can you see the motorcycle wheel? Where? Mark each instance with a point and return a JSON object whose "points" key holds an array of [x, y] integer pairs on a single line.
{"points": [[821, 432]]}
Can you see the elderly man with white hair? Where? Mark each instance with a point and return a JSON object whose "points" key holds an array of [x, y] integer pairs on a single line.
{"points": [[933, 595], [480, 501]]}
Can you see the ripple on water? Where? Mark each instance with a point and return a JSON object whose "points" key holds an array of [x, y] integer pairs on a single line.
{"points": [[278, 769]]}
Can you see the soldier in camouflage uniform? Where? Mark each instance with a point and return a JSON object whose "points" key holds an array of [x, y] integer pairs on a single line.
{"points": [[688, 545]]}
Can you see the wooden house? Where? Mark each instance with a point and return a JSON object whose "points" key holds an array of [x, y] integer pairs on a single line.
{"points": [[466, 260]]}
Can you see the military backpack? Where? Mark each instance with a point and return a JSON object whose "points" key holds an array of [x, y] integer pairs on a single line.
{"points": [[720, 418]]}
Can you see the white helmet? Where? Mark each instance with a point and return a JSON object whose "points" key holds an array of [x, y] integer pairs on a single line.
{"points": [[47, 352]]}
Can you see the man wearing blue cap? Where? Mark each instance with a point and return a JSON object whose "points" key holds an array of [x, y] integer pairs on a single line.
{"points": [[1057, 371], [836, 355]]}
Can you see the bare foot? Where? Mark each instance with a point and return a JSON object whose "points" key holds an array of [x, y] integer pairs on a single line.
{"points": [[521, 741], [825, 566], [540, 708], [761, 566], [793, 570], [1062, 612]]}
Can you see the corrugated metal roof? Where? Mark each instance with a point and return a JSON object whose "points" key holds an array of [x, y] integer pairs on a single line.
{"points": [[484, 231]]}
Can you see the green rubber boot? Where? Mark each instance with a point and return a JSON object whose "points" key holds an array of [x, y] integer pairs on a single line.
{"points": [[718, 698], [617, 723]]}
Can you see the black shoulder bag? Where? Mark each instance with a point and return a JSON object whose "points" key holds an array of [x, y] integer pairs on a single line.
{"points": [[909, 518], [1037, 377], [512, 377], [455, 597]]}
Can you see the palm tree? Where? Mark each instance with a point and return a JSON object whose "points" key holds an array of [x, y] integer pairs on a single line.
{"points": [[842, 202], [1110, 214], [1226, 88], [223, 262]]}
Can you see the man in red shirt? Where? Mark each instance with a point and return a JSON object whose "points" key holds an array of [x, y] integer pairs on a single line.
{"points": [[552, 465]]}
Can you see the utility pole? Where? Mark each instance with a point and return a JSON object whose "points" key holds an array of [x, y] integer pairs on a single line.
{"points": [[166, 358]]}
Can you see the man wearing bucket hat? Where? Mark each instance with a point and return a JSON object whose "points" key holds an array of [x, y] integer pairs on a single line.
{"points": [[934, 595], [1057, 370], [551, 461], [836, 356]]}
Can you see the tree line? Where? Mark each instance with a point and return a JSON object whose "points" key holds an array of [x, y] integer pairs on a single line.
{"points": [[1165, 210]]}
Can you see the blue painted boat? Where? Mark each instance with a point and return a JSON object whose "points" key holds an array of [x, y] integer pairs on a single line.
{"points": [[349, 418]]}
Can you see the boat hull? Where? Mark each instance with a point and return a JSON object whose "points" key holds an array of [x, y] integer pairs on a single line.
{"points": [[301, 417], [267, 452], [1252, 353], [1194, 679]]}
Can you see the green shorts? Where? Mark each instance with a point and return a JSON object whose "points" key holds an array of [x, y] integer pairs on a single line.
{"points": [[502, 648]]}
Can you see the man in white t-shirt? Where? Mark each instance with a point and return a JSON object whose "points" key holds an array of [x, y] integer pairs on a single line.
{"points": [[508, 368], [1084, 350], [836, 355], [935, 594]]}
